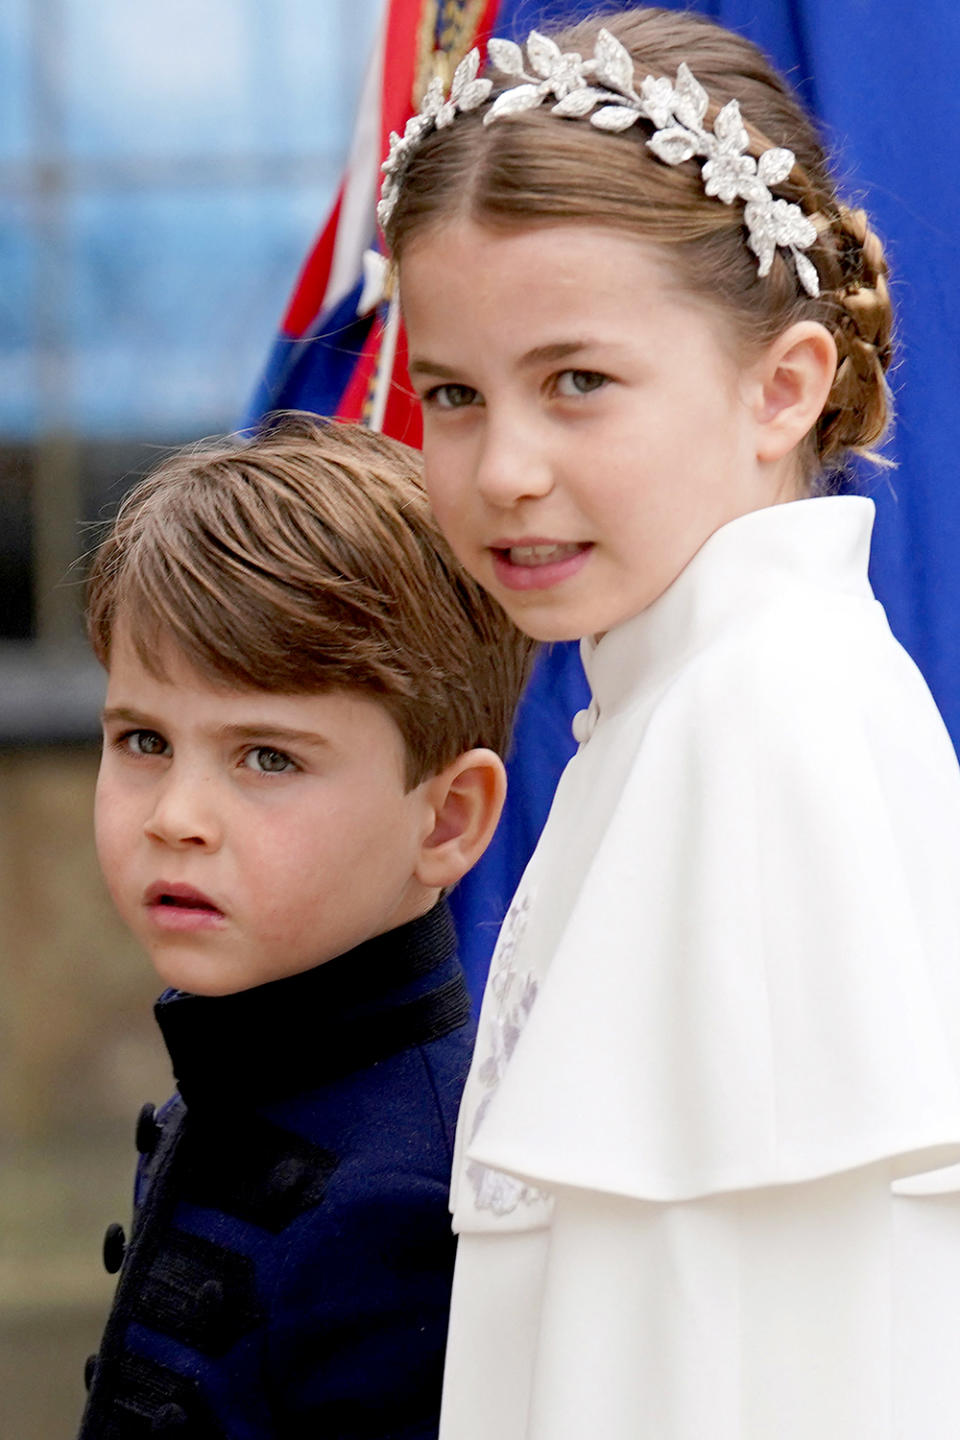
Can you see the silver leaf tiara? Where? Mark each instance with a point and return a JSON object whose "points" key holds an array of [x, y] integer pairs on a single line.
{"points": [[602, 88]]}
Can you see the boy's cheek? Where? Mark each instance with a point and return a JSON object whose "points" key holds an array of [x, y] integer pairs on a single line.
{"points": [[111, 868], [115, 836], [105, 820]]}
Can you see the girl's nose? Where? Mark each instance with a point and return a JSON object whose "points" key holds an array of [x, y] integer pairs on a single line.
{"points": [[512, 465], [185, 814]]}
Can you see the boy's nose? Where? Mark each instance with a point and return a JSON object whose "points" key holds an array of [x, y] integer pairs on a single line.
{"points": [[185, 814]]}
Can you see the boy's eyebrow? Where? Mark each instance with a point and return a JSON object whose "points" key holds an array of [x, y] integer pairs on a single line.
{"points": [[122, 712], [249, 730], [557, 350], [255, 730]]}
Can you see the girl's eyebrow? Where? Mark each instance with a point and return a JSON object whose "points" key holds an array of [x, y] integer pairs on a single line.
{"points": [[540, 354], [559, 350], [430, 367]]}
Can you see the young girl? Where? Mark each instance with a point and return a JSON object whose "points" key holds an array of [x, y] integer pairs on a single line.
{"points": [[701, 1184]]}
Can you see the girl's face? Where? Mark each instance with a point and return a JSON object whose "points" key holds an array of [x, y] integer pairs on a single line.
{"points": [[585, 429]]}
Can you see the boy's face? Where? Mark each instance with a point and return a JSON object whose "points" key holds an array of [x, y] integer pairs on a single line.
{"points": [[245, 836]]}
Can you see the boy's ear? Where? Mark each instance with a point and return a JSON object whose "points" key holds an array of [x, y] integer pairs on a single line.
{"points": [[794, 377], [466, 799]]}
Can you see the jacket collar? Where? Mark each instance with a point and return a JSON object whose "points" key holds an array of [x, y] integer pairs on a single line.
{"points": [[394, 991]]}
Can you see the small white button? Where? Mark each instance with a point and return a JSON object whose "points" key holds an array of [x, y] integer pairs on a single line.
{"points": [[584, 724]]}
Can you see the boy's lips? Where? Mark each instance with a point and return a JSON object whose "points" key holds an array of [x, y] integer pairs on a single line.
{"points": [[173, 906], [536, 564]]}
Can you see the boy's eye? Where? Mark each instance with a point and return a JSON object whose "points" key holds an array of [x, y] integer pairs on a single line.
{"points": [[451, 397], [580, 382], [268, 761], [144, 742]]}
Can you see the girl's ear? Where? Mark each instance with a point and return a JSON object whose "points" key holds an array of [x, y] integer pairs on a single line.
{"points": [[466, 799], [794, 377]]}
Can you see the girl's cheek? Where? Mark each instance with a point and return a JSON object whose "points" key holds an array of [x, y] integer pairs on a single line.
{"points": [[443, 506]]}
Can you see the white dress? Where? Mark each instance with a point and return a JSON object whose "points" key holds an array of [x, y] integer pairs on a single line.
{"points": [[701, 1180]]}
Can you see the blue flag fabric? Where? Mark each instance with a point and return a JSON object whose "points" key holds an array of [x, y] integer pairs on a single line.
{"points": [[882, 80]]}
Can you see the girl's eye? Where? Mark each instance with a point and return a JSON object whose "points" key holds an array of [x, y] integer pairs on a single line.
{"points": [[580, 382], [451, 397], [144, 742], [267, 761]]}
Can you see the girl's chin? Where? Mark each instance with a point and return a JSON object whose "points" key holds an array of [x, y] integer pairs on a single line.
{"points": [[540, 625]]}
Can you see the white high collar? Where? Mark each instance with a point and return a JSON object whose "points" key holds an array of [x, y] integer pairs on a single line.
{"points": [[821, 543]]}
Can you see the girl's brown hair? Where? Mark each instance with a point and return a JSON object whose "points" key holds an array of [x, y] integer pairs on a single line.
{"points": [[307, 560], [536, 168]]}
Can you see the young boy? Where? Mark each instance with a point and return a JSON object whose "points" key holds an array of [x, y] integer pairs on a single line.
{"points": [[306, 706]]}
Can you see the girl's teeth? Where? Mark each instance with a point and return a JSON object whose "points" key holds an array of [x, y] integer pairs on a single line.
{"points": [[540, 554]]}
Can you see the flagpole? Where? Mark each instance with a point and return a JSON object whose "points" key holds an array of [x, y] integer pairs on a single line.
{"points": [[385, 360]]}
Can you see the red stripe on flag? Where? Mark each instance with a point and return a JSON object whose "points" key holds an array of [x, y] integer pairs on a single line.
{"points": [[402, 417], [354, 398], [488, 21], [400, 66], [404, 24], [308, 293]]}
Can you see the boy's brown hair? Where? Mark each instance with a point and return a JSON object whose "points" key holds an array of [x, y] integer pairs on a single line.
{"points": [[304, 560]]}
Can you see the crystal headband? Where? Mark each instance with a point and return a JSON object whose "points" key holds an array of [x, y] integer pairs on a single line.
{"points": [[602, 88]]}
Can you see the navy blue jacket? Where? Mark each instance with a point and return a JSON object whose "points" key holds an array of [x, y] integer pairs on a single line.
{"points": [[289, 1267]]}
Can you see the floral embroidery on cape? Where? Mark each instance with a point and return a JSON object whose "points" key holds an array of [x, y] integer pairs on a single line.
{"points": [[515, 992]]}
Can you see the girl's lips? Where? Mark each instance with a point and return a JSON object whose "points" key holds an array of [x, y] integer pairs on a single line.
{"points": [[181, 907], [538, 564]]}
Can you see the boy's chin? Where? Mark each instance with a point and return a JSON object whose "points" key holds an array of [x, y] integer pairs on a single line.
{"points": [[201, 975]]}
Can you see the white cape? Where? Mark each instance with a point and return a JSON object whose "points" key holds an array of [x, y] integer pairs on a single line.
{"points": [[722, 1020]]}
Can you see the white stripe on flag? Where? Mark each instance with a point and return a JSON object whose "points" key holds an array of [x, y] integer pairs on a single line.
{"points": [[358, 213]]}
